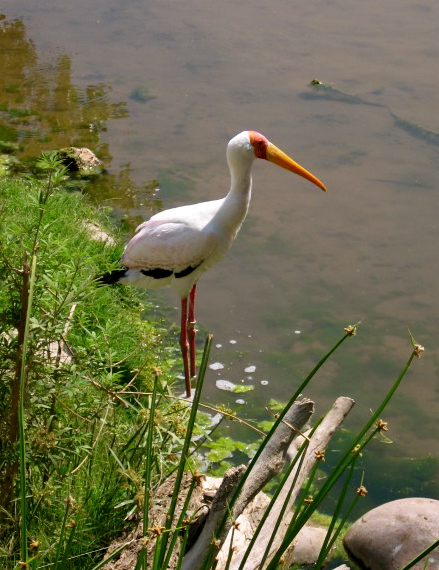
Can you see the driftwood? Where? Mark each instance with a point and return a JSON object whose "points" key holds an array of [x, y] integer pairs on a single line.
{"points": [[317, 444], [270, 462], [251, 504]]}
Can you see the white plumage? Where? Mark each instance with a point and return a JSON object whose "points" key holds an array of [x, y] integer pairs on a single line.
{"points": [[174, 247]]}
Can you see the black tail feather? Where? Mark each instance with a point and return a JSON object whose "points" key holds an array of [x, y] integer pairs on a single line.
{"points": [[111, 277]]}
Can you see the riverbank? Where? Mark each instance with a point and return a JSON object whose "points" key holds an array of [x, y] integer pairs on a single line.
{"points": [[84, 355]]}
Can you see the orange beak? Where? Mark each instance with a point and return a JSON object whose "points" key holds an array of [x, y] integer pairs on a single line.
{"points": [[277, 156]]}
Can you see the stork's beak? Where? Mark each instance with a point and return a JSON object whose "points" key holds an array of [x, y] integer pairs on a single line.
{"points": [[277, 156]]}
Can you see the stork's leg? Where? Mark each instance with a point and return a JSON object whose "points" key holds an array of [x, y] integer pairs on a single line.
{"points": [[184, 344], [191, 330]]}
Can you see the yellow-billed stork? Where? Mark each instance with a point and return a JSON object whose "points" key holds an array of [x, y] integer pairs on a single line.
{"points": [[174, 247]]}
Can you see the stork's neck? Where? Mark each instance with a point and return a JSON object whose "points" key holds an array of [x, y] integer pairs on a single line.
{"points": [[235, 205], [241, 180]]}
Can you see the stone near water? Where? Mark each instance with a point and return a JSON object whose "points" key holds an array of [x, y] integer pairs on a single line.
{"points": [[389, 536]]}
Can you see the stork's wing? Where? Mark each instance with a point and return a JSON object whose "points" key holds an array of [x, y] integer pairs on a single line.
{"points": [[168, 244]]}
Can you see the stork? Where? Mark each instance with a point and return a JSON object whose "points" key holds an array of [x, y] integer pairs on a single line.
{"points": [[174, 247]]}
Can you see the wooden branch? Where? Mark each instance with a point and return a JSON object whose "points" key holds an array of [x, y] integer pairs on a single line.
{"points": [[278, 452], [318, 442], [273, 457], [269, 463], [194, 558]]}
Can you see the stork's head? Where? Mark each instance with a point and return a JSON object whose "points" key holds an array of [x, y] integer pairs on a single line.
{"points": [[249, 145]]}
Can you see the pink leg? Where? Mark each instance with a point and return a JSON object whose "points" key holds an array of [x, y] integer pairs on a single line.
{"points": [[192, 330], [184, 344]]}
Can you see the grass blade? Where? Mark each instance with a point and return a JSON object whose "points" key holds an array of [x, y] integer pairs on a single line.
{"points": [[342, 465], [331, 536], [22, 440], [184, 452], [115, 553], [421, 555], [148, 468]]}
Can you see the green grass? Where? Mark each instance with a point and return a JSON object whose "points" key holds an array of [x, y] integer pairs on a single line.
{"points": [[82, 442]]}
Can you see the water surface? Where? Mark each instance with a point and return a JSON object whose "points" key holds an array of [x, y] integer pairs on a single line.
{"points": [[179, 79]]}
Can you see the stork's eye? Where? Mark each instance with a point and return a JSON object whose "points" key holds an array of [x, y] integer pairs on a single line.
{"points": [[259, 143]]}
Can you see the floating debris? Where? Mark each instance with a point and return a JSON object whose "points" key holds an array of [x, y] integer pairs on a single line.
{"points": [[418, 131], [216, 366], [239, 401], [297, 332], [225, 385], [218, 345], [320, 90], [244, 388], [233, 341], [264, 382], [231, 387], [250, 369]]}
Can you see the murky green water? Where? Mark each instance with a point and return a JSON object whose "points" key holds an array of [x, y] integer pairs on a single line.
{"points": [[156, 90]]}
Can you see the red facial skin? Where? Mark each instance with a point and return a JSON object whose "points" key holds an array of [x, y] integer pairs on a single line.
{"points": [[260, 144]]}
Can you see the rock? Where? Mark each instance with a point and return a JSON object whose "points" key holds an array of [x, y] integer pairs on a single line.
{"points": [[80, 160], [98, 233], [388, 537], [141, 94], [307, 545]]}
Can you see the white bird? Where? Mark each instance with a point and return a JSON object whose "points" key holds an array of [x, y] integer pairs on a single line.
{"points": [[174, 247]]}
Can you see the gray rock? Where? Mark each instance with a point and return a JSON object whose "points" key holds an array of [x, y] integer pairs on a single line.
{"points": [[388, 537], [307, 545]]}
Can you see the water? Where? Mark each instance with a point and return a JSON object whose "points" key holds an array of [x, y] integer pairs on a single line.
{"points": [[160, 87]]}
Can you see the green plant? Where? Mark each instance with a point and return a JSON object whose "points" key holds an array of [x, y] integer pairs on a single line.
{"points": [[67, 348], [165, 542]]}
